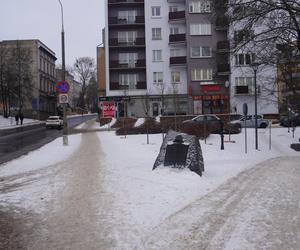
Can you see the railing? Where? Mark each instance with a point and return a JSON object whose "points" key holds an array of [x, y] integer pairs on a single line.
{"points": [[175, 38], [124, 1], [134, 20], [117, 86], [246, 90], [223, 45], [140, 63], [222, 23], [178, 60], [223, 69], [177, 15], [138, 42]]}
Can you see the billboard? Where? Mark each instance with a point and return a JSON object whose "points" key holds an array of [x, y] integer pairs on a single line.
{"points": [[108, 109]]}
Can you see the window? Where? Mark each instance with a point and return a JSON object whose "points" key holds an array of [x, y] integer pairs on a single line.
{"points": [[157, 55], [174, 30], [156, 33], [127, 36], [128, 58], [155, 11], [126, 16], [173, 8], [175, 77], [128, 80], [200, 6], [244, 59], [200, 29], [244, 85], [201, 52], [201, 74], [157, 77], [176, 52]]}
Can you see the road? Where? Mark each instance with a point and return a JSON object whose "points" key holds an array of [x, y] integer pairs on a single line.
{"points": [[20, 143], [69, 208]]}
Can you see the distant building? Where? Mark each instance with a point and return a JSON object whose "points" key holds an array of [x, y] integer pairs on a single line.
{"points": [[101, 70], [42, 65]]}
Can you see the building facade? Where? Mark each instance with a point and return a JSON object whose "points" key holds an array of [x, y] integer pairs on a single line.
{"points": [[177, 55], [40, 60]]}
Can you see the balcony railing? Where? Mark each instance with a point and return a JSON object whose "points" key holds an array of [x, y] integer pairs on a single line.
{"points": [[126, 21], [117, 86], [124, 1], [115, 42], [177, 15], [223, 69], [177, 38], [141, 63], [222, 23], [178, 60], [246, 89], [223, 46]]}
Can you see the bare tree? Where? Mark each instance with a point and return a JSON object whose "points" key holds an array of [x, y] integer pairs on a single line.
{"points": [[15, 77], [92, 95], [162, 91], [84, 68]]}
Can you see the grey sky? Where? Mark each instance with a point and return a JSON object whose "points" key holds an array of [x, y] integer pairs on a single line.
{"points": [[41, 19]]}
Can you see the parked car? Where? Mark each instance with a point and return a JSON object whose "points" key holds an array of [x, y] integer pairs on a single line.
{"points": [[211, 121], [250, 122], [54, 122], [290, 121]]}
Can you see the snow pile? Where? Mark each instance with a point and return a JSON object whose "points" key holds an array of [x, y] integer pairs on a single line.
{"points": [[139, 122]]}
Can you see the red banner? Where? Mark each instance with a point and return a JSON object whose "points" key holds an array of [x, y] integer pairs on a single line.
{"points": [[108, 109], [211, 88]]}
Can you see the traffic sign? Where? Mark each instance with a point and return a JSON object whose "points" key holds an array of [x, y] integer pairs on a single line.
{"points": [[62, 87], [63, 98]]}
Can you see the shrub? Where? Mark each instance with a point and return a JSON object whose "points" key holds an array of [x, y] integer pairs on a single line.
{"points": [[198, 130]]}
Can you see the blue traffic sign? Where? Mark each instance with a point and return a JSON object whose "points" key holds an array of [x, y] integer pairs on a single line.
{"points": [[62, 87]]}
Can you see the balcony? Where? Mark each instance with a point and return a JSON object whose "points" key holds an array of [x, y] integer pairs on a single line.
{"points": [[177, 38], [117, 86], [125, 2], [137, 20], [177, 16], [178, 60], [139, 42], [223, 46], [222, 23], [223, 69], [246, 90], [139, 64]]}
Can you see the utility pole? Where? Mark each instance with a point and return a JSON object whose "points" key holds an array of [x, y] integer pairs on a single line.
{"points": [[65, 121]]}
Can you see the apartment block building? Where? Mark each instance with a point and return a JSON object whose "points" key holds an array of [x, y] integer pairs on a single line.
{"points": [[41, 62], [174, 52], [177, 55]]}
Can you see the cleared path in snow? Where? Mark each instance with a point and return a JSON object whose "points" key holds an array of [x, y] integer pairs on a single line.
{"points": [[258, 209], [77, 214]]}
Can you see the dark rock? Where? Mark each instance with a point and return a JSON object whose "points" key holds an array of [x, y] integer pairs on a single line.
{"points": [[295, 146], [194, 157]]}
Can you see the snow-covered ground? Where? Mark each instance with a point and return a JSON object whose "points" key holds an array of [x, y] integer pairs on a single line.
{"points": [[10, 121], [142, 198]]}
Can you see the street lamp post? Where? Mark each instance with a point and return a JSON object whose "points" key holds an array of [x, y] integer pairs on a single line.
{"points": [[65, 121], [255, 68]]}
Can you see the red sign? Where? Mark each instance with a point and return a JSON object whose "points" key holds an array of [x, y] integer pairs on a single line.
{"points": [[108, 109], [210, 97], [211, 88]]}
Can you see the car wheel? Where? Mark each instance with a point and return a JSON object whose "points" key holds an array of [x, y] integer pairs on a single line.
{"points": [[263, 125]]}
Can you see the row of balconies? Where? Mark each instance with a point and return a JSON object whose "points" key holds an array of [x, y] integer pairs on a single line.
{"points": [[137, 20], [117, 86], [120, 2]]}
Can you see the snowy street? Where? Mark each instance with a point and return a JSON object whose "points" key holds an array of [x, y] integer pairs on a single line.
{"points": [[100, 193]]}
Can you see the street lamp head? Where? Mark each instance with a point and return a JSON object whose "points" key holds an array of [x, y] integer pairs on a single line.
{"points": [[255, 66]]}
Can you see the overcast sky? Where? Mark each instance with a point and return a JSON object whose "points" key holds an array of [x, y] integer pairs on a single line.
{"points": [[41, 19]]}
